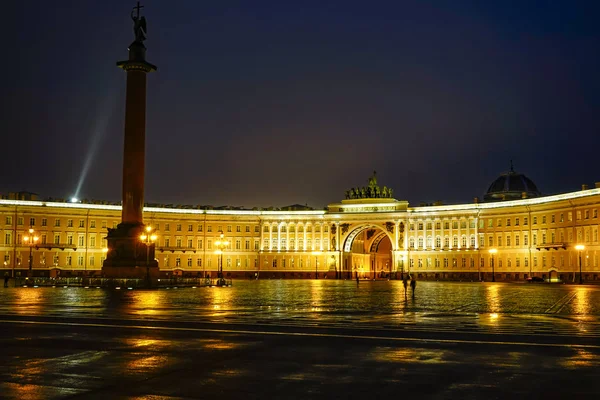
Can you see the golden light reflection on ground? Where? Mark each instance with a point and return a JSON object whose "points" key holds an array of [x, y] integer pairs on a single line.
{"points": [[147, 302], [410, 355], [492, 298], [581, 358], [215, 344], [155, 344], [581, 301], [145, 365], [29, 300], [316, 294]]}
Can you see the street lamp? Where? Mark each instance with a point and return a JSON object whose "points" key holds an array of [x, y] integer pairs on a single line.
{"points": [[580, 248], [221, 244], [316, 254], [31, 240], [492, 252], [148, 238]]}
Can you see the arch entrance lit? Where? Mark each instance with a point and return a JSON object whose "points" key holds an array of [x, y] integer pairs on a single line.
{"points": [[368, 252]]}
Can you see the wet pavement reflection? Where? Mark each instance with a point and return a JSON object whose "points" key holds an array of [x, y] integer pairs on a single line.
{"points": [[301, 339]]}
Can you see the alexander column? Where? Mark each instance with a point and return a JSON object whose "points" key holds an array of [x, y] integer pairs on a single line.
{"points": [[127, 255]]}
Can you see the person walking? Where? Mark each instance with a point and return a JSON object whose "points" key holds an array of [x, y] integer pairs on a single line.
{"points": [[405, 283], [413, 285], [6, 278]]}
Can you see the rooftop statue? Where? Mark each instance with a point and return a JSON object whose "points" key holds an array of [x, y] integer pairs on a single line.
{"points": [[373, 180], [139, 24]]}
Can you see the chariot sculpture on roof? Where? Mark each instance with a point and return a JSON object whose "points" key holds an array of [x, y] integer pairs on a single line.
{"points": [[371, 191]]}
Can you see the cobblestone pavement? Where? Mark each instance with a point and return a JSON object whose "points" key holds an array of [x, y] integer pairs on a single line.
{"points": [[302, 340]]}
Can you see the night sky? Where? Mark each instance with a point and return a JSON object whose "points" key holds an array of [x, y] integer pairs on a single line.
{"points": [[271, 103]]}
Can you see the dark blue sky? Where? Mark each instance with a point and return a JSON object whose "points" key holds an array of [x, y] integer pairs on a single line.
{"points": [[260, 103]]}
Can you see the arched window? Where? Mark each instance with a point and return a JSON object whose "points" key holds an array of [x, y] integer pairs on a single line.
{"points": [[411, 243], [463, 241], [438, 242], [420, 242], [429, 242]]}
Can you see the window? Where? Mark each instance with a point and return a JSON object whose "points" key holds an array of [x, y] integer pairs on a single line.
{"points": [[491, 241], [57, 222], [256, 229], [7, 238], [525, 221], [238, 228], [103, 224], [438, 225], [543, 219], [534, 240], [69, 223], [534, 220], [8, 220], [93, 224], [178, 227], [499, 222], [438, 242], [507, 221], [69, 260], [526, 240], [190, 229], [31, 221], [247, 244], [93, 241], [20, 221], [508, 240], [199, 262], [228, 228], [209, 229], [70, 239], [463, 241], [587, 214], [517, 221], [80, 261], [526, 262], [552, 218], [199, 227], [190, 244], [80, 241], [82, 223], [446, 225], [499, 241], [420, 226], [167, 242], [178, 242], [446, 242], [463, 224], [445, 263], [189, 261], [57, 239], [247, 229], [178, 262], [472, 240], [91, 261], [238, 244], [517, 239], [595, 214], [200, 244], [490, 223], [454, 224], [266, 229], [167, 227]]}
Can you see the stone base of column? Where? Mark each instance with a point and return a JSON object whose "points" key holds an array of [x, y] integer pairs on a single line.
{"points": [[128, 256]]}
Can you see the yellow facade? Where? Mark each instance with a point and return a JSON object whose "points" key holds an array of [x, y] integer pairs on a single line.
{"points": [[374, 238]]}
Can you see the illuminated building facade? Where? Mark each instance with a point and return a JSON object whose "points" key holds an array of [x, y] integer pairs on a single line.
{"points": [[370, 233]]}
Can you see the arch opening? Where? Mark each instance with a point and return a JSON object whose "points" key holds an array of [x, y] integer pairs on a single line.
{"points": [[368, 254]]}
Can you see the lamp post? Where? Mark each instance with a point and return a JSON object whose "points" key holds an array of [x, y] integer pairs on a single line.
{"points": [[148, 238], [31, 240], [221, 244], [316, 254], [492, 252], [580, 248]]}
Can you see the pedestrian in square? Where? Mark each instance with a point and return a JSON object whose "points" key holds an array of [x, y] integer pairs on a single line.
{"points": [[413, 285]]}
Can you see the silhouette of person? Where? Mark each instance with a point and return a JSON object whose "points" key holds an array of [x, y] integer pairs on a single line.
{"points": [[413, 285], [6, 278], [405, 283]]}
